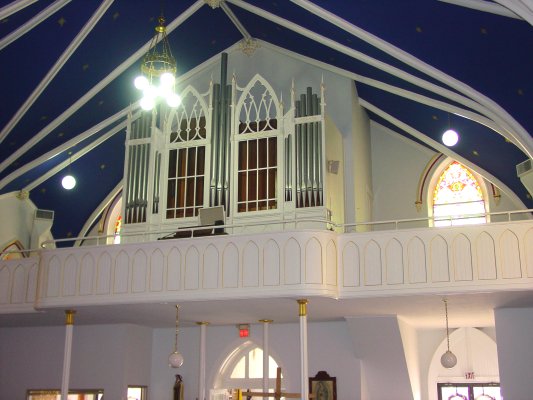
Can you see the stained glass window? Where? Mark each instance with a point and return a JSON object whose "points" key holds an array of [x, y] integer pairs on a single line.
{"points": [[457, 198], [118, 227]]}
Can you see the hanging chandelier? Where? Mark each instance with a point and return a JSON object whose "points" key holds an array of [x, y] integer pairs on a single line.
{"points": [[158, 72], [175, 360], [448, 359]]}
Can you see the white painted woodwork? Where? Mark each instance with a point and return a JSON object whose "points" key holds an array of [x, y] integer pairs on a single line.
{"points": [[316, 263]]}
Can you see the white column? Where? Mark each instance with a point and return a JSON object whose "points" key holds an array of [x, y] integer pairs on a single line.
{"points": [[201, 373], [304, 383], [266, 355], [69, 326]]}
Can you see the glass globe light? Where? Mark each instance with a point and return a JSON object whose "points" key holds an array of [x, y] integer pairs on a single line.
{"points": [[173, 100], [68, 182], [167, 80], [450, 138], [147, 103], [151, 92], [448, 359], [175, 360], [141, 82]]}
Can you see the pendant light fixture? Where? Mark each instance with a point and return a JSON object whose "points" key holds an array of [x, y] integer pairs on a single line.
{"points": [[450, 137], [448, 359], [68, 182], [175, 360], [158, 71]]}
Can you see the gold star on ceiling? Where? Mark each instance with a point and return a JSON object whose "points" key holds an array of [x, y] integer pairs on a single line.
{"points": [[434, 117], [483, 31], [61, 21], [43, 190], [101, 102], [418, 29], [474, 152], [520, 92], [4, 21], [44, 117], [85, 67], [102, 166], [116, 15], [61, 134]]}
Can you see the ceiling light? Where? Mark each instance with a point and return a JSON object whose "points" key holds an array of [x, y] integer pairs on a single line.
{"points": [[450, 138], [448, 359], [68, 182], [158, 69], [175, 360]]}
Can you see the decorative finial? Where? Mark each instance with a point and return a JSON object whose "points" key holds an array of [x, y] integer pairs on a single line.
{"points": [[248, 46]]}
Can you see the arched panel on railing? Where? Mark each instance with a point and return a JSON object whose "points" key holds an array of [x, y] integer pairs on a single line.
{"points": [[230, 266], [394, 262], [121, 275], [53, 278], [331, 263], [157, 271], [104, 273], [70, 276], [439, 262], [528, 246], [351, 268], [271, 264], [33, 276], [292, 262], [372, 264], [87, 275], [462, 258], [18, 293], [211, 268], [416, 260], [250, 265], [485, 256], [5, 285], [174, 273], [139, 272], [510, 255], [192, 268], [313, 261]]}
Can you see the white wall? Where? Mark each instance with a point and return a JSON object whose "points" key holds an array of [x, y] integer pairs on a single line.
{"points": [[17, 220], [107, 357], [330, 349], [514, 327]]}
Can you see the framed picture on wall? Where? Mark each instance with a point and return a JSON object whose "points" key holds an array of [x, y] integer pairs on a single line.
{"points": [[323, 386]]}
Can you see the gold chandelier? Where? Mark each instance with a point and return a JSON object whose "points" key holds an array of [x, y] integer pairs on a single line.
{"points": [[158, 71]]}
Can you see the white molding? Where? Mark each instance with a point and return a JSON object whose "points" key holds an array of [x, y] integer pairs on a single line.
{"points": [[14, 7], [32, 23], [522, 8], [444, 150], [96, 89], [485, 6], [76, 42], [65, 146], [502, 117]]}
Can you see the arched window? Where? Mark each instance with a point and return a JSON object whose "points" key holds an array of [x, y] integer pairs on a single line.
{"points": [[243, 369], [12, 251], [458, 198]]}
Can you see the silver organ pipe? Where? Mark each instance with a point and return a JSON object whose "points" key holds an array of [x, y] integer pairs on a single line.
{"points": [[309, 174]]}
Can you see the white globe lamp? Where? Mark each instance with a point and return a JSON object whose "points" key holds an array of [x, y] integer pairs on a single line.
{"points": [[68, 182], [450, 138]]}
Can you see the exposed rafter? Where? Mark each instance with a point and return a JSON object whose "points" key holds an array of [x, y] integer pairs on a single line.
{"points": [[96, 89], [501, 116], [32, 23], [56, 68], [485, 6], [14, 7]]}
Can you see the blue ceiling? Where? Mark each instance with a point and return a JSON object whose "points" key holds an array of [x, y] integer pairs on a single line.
{"points": [[492, 54]]}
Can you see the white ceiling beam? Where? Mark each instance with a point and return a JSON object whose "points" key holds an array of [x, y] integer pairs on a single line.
{"points": [[233, 18], [32, 23], [444, 150], [479, 118], [96, 89], [75, 156], [78, 40], [507, 122], [485, 6], [14, 7], [522, 8], [65, 146]]}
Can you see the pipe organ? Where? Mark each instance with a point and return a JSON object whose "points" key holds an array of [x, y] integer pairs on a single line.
{"points": [[232, 146]]}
